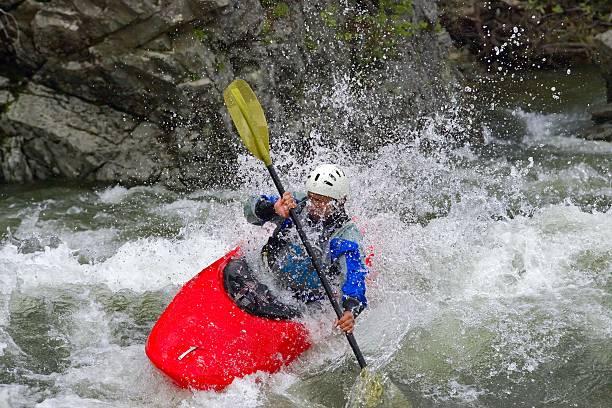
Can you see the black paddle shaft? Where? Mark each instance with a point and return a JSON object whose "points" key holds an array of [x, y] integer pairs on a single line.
{"points": [[317, 264]]}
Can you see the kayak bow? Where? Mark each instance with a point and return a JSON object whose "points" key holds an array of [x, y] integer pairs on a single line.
{"points": [[204, 341]]}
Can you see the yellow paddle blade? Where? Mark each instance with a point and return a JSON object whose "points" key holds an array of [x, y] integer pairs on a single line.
{"points": [[373, 390], [249, 119]]}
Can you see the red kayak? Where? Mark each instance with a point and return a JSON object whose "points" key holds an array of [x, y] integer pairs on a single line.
{"points": [[203, 340]]}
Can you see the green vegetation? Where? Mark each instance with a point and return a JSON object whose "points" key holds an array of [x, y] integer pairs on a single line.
{"points": [[280, 10], [268, 4], [329, 16], [310, 44], [267, 28], [374, 32], [557, 9], [194, 76], [201, 34], [275, 11], [266, 32]]}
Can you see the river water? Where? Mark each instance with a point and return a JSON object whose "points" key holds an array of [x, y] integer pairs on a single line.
{"points": [[494, 268]]}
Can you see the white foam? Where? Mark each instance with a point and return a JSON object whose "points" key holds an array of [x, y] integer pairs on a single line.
{"points": [[15, 395], [559, 130], [145, 264], [112, 195], [73, 401], [471, 289], [245, 392], [116, 194], [187, 210]]}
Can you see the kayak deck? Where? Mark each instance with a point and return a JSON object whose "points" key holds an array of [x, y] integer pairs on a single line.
{"points": [[204, 341]]}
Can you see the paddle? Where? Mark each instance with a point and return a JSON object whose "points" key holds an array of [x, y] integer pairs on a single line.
{"points": [[248, 116]]}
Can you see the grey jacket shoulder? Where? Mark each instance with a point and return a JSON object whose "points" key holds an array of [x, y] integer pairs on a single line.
{"points": [[349, 231], [249, 206]]}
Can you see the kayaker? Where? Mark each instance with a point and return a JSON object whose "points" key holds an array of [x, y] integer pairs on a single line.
{"points": [[333, 234]]}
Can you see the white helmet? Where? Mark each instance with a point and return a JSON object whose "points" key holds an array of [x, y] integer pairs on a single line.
{"points": [[328, 180]]}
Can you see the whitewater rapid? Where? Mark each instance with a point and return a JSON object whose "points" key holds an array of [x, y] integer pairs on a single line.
{"points": [[493, 285]]}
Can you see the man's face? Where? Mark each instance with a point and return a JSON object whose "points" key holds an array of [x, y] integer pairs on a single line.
{"points": [[319, 206]]}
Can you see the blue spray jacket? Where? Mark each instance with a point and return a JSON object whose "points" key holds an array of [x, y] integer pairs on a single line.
{"points": [[338, 242]]}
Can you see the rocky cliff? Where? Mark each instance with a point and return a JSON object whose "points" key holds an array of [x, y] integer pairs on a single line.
{"points": [[131, 90], [602, 115]]}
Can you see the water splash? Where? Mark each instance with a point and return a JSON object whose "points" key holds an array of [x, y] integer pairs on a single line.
{"points": [[493, 264]]}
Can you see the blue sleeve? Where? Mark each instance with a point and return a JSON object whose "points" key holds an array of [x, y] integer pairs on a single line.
{"points": [[348, 254]]}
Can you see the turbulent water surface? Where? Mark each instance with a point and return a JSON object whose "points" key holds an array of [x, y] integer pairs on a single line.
{"points": [[493, 287]]}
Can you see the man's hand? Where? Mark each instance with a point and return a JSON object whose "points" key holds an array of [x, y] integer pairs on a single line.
{"points": [[346, 322], [284, 204]]}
